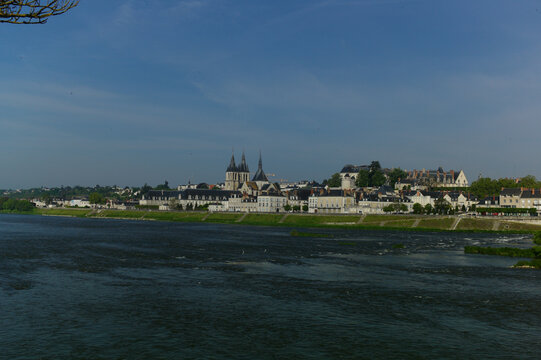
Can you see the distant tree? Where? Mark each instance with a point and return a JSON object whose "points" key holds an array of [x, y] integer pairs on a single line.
{"points": [[363, 178], [335, 180], [377, 178], [33, 11], [202, 186], [428, 209], [296, 208], [403, 208], [442, 206], [96, 198], [484, 187], [287, 207], [372, 177], [375, 166], [145, 189], [46, 198], [305, 208], [164, 186], [418, 208], [396, 175], [463, 208], [388, 208], [24, 205], [528, 181]]}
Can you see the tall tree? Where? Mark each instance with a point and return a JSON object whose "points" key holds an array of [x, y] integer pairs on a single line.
{"points": [[528, 181], [363, 178], [33, 11], [395, 175], [335, 180]]}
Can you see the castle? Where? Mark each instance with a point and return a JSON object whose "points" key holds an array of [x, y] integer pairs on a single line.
{"points": [[237, 176]]}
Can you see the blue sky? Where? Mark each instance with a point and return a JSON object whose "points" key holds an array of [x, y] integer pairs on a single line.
{"points": [[135, 91]]}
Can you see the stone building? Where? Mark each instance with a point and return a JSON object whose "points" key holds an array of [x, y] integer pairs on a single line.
{"points": [[235, 175]]}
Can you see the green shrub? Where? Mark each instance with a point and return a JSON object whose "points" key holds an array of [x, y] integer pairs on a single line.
{"points": [[537, 238], [500, 251], [535, 263]]}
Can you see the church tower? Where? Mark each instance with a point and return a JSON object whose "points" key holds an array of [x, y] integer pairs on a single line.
{"points": [[243, 171], [231, 175], [260, 178]]}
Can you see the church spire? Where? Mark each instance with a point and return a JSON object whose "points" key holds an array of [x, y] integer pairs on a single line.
{"points": [[232, 167], [243, 167], [260, 174]]}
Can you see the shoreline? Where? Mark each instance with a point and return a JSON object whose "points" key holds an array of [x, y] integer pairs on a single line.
{"points": [[405, 222]]}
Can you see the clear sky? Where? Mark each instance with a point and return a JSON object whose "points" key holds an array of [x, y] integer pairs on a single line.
{"points": [[132, 91]]}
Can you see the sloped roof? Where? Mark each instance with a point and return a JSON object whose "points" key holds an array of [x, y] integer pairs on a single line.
{"points": [[243, 167], [232, 167], [260, 174]]}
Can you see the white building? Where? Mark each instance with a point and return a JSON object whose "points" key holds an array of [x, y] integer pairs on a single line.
{"points": [[271, 203]]}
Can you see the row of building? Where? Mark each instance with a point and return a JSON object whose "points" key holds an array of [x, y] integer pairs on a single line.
{"points": [[258, 194]]}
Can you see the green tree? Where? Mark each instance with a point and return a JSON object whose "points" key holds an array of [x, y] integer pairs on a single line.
{"points": [[418, 208], [484, 187], [335, 180], [428, 209], [33, 11], [287, 207], [442, 206], [396, 175], [46, 198], [145, 189], [305, 208], [24, 205], [375, 166], [96, 198], [375, 175], [377, 178], [296, 208], [528, 181], [164, 186], [363, 178]]}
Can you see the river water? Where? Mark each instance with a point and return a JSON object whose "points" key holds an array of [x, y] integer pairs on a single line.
{"points": [[113, 289]]}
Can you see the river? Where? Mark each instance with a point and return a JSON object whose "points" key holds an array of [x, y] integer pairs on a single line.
{"points": [[118, 289]]}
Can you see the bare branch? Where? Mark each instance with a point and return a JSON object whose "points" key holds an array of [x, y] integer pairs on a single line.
{"points": [[33, 11]]}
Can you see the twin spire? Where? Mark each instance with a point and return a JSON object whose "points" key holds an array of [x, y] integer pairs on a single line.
{"points": [[243, 167]]}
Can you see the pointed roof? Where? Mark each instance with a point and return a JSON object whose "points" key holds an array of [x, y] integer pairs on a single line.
{"points": [[243, 167], [232, 167], [260, 174]]}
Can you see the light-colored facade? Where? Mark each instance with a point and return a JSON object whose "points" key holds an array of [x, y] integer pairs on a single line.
{"points": [[271, 203]]}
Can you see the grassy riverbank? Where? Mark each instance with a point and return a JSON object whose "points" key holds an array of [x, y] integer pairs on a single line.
{"points": [[381, 222]]}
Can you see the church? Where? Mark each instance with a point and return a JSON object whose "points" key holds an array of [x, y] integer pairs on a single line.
{"points": [[238, 177]]}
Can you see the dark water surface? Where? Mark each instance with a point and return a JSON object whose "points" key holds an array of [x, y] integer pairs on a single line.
{"points": [[112, 289]]}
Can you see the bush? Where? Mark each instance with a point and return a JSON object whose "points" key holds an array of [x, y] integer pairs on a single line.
{"points": [[537, 238], [501, 251], [17, 205], [535, 263]]}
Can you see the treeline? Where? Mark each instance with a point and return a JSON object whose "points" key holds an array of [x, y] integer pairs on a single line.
{"points": [[373, 176], [69, 192], [8, 204], [484, 187]]}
